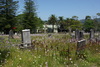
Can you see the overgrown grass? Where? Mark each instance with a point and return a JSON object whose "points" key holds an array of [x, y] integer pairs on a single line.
{"points": [[54, 51]]}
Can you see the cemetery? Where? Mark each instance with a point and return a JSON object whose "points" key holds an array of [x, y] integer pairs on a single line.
{"points": [[50, 50], [50, 33]]}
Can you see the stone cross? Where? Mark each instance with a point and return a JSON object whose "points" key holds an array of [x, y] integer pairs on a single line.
{"points": [[26, 39]]}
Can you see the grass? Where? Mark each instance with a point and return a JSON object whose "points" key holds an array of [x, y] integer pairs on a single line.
{"points": [[54, 51]]}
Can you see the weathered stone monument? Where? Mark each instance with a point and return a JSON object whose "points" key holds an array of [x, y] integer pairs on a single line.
{"points": [[70, 32], [11, 34], [76, 34], [26, 39], [91, 34], [79, 35], [81, 45]]}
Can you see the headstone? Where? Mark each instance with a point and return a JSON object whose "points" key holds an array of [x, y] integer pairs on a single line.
{"points": [[2, 39], [15, 33], [77, 34], [26, 39], [81, 44], [49, 35], [81, 36], [91, 34], [70, 31], [11, 34]]}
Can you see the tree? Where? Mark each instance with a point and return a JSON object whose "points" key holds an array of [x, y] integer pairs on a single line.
{"points": [[75, 17], [87, 17], [52, 20], [89, 24], [19, 22], [73, 24], [29, 15], [7, 14], [61, 22], [98, 14]]}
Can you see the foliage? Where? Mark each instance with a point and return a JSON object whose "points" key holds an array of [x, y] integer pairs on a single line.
{"points": [[73, 24], [52, 20], [30, 20], [98, 14], [7, 14], [29, 15], [75, 17], [50, 52], [89, 24], [96, 24]]}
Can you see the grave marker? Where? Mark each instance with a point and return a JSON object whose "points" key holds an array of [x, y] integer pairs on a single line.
{"points": [[91, 34], [77, 34], [26, 39], [81, 44], [11, 34], [81, 36]]}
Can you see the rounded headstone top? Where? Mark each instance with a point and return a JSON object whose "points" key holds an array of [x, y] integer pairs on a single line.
{"points": [[26, 30]]}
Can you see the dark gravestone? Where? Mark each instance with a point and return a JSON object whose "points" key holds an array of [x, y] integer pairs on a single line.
{"points": [[26, 39], [11, 34], [98, 39], [77, 34], [81, 44], [2, 39], [81, 36], [49, 35], [70, 31], [91, 34]]}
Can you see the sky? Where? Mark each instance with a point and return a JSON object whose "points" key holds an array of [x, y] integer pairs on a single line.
{"points": [[65, 8]]}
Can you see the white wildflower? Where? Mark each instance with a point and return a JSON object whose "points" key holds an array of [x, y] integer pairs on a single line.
{"points": [[20, 58], [70, 59]]}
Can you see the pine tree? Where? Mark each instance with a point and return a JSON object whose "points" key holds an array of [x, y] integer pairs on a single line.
{"points": [[7, 13], [29, 15]]}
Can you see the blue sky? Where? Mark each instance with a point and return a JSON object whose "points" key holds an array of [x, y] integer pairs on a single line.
{"points": [[65, 8]]}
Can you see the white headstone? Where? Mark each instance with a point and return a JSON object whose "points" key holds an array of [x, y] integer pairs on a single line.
{"points": [[26, 39]]}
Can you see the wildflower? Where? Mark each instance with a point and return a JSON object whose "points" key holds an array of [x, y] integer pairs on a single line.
{"points": [[34, 56], [64, 62], [70, 59], [40, 65], [46, 63], [0, 53], [20, 58], [33, 62]]}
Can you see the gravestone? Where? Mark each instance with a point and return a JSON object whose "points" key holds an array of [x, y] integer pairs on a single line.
{"points": [[11, 34], [91, 34], [81, 36], [70, 32], [2, 39], [77, 34], [81, 44], [26, 39]]}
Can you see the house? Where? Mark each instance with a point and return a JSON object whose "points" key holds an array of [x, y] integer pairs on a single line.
{"points": [[48, 28]]}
